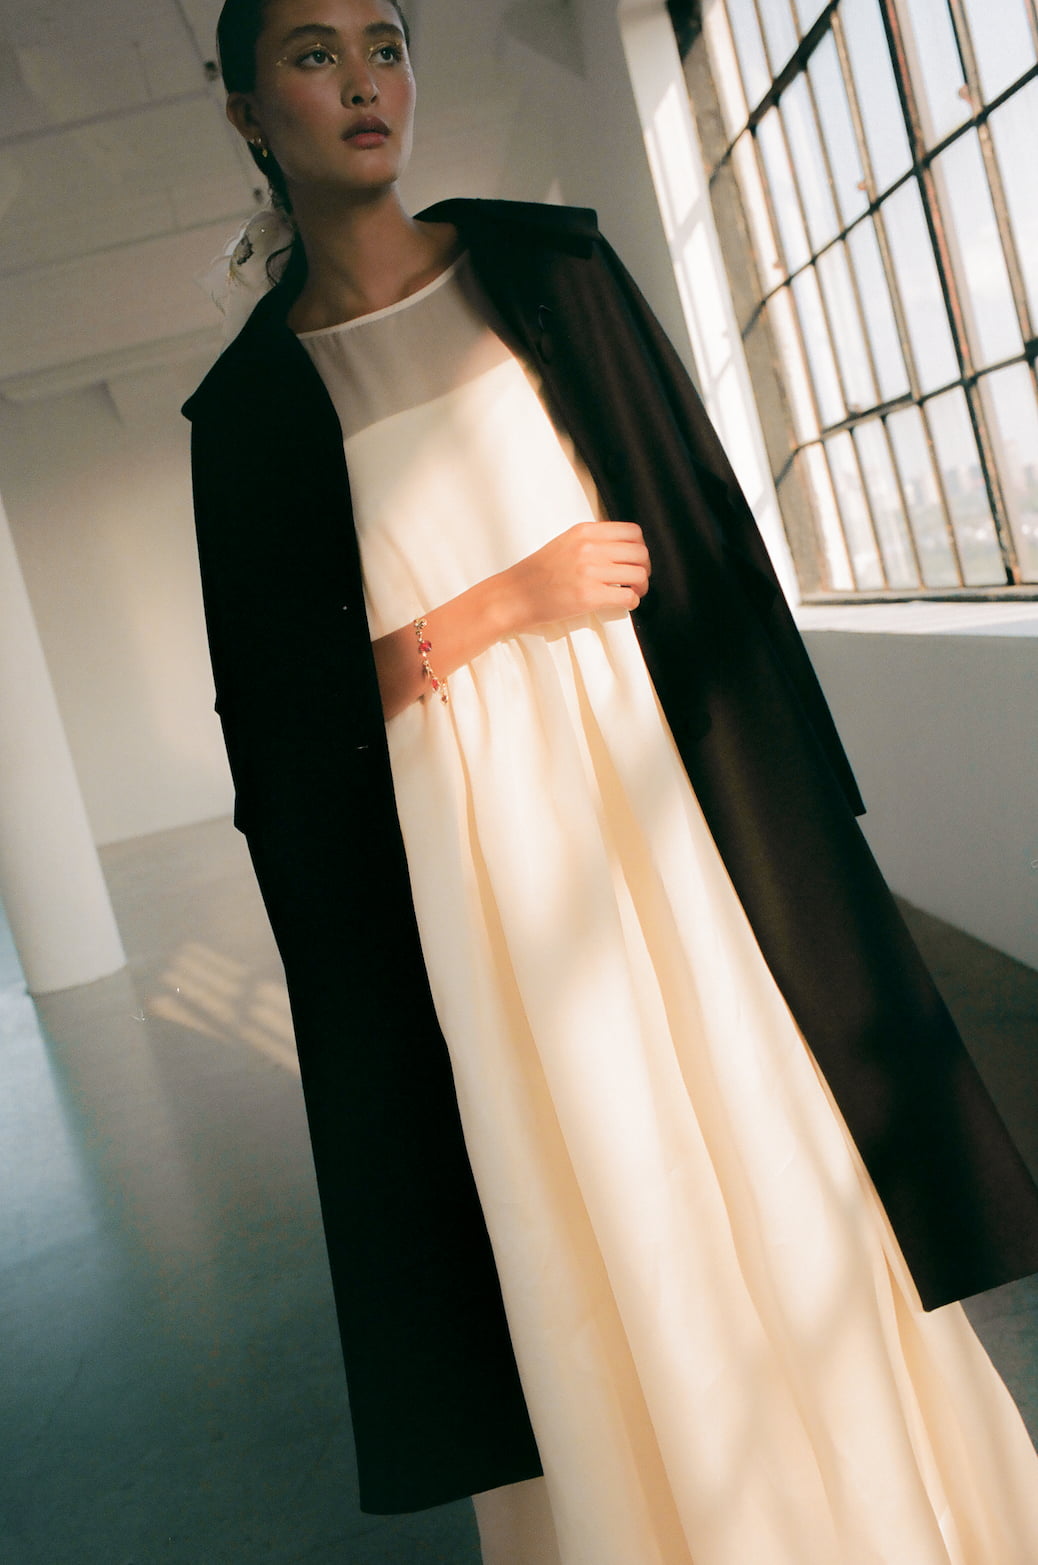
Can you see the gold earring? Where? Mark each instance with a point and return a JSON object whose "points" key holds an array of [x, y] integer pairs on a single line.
{"points": [[264, 151]]}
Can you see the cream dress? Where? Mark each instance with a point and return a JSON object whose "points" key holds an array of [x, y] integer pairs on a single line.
{"points": [[723, 1355]]}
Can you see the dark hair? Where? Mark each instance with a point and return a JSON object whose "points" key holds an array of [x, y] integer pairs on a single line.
{"points": [[237, 34]]}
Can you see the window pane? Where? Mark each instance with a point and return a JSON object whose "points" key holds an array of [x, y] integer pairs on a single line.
{"points": [[838, 128], [854, 509], [807, 13], [816, 471], [779, 31], [1002, 42], [986, 298], [744, 156], [878, 472], [916, 270], [783, 191], [725, 69], [819, 349], [964, 487], [750, 49], [879, 312], [806, 151], [877, 93], [851, 352], [1014, 128], [791, 355], [923, 498], [1010, 400], [936, 66]]}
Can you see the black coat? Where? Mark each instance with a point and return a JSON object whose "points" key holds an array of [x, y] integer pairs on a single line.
{"points": [[437, 1407]]}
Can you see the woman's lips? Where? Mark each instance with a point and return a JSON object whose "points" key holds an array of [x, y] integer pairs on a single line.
{"points": [[368, 132]]}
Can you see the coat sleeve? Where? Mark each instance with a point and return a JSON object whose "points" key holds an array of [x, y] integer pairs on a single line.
{"points": [[213, 502], [742, 539]]}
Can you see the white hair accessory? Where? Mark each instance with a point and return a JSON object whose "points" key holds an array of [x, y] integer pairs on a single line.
{"points": [[238, 279]]}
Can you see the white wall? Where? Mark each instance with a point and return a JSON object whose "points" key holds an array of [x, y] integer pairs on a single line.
{"points": [[100, 511], [558, 122], [936, 706]]}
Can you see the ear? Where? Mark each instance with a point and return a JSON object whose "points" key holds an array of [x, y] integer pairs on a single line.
{"points": [[242, 114]]}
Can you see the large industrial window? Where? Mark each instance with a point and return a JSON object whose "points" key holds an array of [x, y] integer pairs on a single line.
{"points": [[874, 170]]}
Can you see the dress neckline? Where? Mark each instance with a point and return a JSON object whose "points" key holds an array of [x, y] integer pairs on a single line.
{"points": [[387, 309]]}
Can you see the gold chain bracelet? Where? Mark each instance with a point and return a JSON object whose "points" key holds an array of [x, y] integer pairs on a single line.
{"points": [[424, 648]]}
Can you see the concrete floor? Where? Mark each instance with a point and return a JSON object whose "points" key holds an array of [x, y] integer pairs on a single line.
{"points": [[172, 1392]]}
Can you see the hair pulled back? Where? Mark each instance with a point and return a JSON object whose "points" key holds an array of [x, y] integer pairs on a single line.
{"points": [[237, 34]]}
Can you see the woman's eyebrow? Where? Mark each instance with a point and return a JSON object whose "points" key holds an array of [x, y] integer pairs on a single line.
{"points": [[373, 30], [307, 31], [383, 29]]}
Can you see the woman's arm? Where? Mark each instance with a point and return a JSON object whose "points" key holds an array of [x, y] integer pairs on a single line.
{"points": [[588, 568]]}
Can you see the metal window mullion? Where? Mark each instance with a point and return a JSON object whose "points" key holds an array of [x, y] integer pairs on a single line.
{"points": [[978, 418], [993, 172], [903, 502], [765, 185], [796, 62], [915, 385], [759, 14], [780, 244], [929, 154], [1028, 326], [942, 492], [812, 254], [942, 256], [993, 482], [1031, 7], [832, 342], [867, 416], [823, 446], [900, 316], [841, 237], [924, 178], [867, 497]]}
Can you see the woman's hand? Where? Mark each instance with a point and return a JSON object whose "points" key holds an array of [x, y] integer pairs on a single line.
{"points": [[592, 567]]}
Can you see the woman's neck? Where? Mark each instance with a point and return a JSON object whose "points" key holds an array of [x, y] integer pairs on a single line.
{"points": [[363, 256]]}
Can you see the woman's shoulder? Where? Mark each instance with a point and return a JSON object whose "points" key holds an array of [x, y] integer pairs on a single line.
{"points": [[264, 348], [544, 222]]}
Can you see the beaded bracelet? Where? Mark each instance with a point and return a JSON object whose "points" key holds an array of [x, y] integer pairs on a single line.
{"points": [[424, 648]]}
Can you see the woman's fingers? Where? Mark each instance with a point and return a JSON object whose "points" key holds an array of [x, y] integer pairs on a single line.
{"points": [[592, 566]]}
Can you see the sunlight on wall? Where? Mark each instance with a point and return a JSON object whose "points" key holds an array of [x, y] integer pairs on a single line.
{"points": [[676, 163]]}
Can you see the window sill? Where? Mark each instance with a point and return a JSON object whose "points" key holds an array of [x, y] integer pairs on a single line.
{"points": [[921, 619]]}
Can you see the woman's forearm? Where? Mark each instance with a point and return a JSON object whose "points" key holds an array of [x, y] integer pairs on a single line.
{"points": [[591, 567], [457, 631]]}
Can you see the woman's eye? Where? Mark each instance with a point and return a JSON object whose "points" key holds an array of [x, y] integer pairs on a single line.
{"points": [[318, 55], [388, 53]]}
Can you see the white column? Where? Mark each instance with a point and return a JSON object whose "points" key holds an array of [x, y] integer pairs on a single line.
{"points": [[53, 892]]}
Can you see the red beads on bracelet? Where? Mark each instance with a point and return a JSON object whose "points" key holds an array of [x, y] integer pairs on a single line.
{"points": [[439, 686]]}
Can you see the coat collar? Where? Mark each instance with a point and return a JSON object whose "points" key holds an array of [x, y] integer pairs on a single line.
{"points": [[485, 226]]}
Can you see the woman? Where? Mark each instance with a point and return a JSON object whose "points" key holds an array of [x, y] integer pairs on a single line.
{"points": [[556, 839]]}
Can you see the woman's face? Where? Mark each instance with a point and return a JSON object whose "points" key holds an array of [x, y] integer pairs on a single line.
{"points": [[323, 69]]}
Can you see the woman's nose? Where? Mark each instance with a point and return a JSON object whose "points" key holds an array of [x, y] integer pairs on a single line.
{"points": [[359, 87]]}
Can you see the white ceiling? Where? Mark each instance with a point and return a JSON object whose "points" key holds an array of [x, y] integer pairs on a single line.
{"points": [[120, 179], [109, 130], [113, 144]]}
